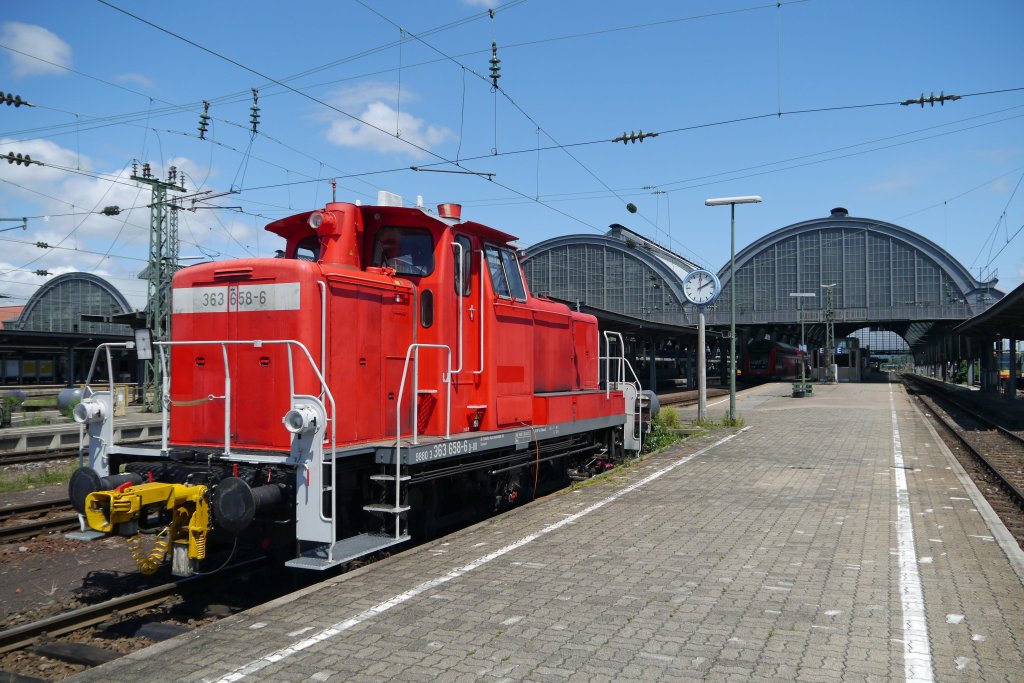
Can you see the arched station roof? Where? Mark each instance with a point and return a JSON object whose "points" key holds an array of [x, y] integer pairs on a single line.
{"points": [[59, 304], [876, 273], [620, 271], [860, 255]]}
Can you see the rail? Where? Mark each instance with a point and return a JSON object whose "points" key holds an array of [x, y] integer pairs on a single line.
{"points": [[91, 615], [1007, 478]]}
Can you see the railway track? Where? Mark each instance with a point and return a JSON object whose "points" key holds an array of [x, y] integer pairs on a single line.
{"points": [[26, 635], [998, 450], [23, 458], [48, 516], [18, 458]]}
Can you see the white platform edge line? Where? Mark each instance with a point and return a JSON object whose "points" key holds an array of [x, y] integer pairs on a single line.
{"points": [[917, 660]]}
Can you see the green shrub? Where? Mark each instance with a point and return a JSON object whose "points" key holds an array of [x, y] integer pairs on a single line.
{"points": [[732, 422], [69, 411], [661, 434], [13, 399]]}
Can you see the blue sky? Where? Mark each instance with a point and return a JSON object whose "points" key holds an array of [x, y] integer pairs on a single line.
{"points": [[110, 89]]}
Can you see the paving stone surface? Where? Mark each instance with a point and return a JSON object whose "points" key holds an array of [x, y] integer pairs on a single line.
{"points": [[773, 556]]}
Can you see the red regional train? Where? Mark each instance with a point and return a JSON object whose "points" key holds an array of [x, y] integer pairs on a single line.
{"points": [[765, 360], [387, 376]]}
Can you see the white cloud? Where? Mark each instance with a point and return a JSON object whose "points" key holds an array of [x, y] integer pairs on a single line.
{"points": [[52, 52], [132, 77], [35, 176], [81, 238], [364, 93], [376, 104]]}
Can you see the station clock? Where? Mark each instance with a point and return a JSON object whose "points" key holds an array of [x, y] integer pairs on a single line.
{"points": [[701, 287]]}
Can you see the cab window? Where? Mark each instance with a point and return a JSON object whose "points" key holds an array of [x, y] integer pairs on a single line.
{"points": [[409, 251], [308, 249], [506, 278]]}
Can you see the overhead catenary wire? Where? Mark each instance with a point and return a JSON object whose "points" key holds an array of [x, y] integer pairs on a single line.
{"points": [[670, 131], [499, 89], [995, 229], [330, 106], [535, 149]]}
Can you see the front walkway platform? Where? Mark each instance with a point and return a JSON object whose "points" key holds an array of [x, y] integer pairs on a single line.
{"points": [[833, 539]]}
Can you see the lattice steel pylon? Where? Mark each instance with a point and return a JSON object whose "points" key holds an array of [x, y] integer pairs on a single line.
{"points": [[160, 269]]}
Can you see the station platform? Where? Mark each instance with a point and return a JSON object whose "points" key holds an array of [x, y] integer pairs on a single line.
{"points": [[134, 426], [833, 538]]}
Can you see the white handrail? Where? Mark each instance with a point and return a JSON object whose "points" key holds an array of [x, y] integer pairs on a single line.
{"points": [[608, 336], [621, 371], [459, 295], [165, 402], [409, 353], [256, 343], [323, 328], [483, 268], [110, 364], [623, 366], [110, 382], [227, 399]]}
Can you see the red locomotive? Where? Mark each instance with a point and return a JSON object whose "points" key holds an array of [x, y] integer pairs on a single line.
{"points": [[389, 374], [768, 360]]}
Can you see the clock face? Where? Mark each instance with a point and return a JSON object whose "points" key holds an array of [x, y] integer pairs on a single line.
{"points": [[701, 287]]}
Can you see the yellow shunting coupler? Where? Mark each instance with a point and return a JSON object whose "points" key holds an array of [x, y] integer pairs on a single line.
{"points": [[123, 509]]}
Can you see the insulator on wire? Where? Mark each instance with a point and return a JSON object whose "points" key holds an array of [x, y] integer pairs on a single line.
{"points": [[254, 117], [135, 167], [204, 120], [146, 173], [932, 99], [495, 68], [634, 137], [19, 159], [113, 210], [9, 99], [42, 273], [172, 174]]}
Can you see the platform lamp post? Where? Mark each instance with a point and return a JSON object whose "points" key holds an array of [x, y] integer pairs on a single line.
{"points": [[830, 333], [732, 202], [803, 344]]}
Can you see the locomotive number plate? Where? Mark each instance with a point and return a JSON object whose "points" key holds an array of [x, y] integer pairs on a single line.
{"points": [[446, 449], [240, 298]]}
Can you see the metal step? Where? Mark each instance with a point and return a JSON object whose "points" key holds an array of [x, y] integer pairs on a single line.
{"points": [[343, 551], [388, 477], [391, 509], [89, 535]]}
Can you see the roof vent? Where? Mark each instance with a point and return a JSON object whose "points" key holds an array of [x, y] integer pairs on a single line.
{"points": [[839, 212], [385, 198]]}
